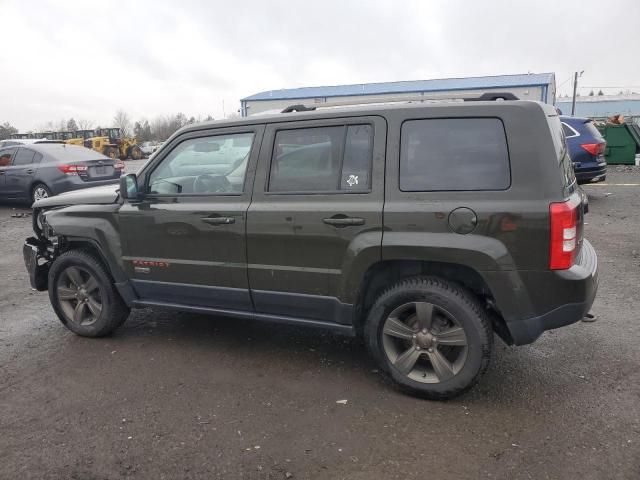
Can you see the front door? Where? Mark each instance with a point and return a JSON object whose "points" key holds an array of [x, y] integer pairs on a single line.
{"points": [[184, 241], [317, 206]]}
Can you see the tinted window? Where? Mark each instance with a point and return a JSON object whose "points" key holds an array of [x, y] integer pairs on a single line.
{"points": [[567, 131], [454, 154], [23, 157], [358, 151], [322, 159], [5, 156], [206, 165]]}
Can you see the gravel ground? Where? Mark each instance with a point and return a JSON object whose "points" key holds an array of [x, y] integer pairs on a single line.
{"points": [[175, 395]]}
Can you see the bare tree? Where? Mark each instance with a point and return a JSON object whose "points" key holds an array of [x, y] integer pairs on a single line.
{"points": [[123, 122], [6, 130], [72, 126], [84, 124]]}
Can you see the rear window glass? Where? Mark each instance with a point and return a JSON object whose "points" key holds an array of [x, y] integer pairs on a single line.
{"points": [[322, 159], [454, 154], [23, 157], [562, 153], [591, 128]]}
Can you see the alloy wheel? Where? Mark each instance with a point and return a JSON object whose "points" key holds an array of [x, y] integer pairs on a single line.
{"points": [[39, 193], [79, 295], [424, 342]]}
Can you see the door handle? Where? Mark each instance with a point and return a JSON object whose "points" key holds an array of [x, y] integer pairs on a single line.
{"points": [[218, 220], [30, 170], [343, 221]]}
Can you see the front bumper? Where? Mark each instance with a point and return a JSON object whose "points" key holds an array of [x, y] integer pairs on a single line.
{"points": [[579, 283], [36, 262]]}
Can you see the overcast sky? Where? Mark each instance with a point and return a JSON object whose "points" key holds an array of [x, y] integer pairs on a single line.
{"points": [[88, 59]]}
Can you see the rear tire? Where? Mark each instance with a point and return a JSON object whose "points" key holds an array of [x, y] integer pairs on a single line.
{"points": [[432, 336], [83, 295], [39, 191]]}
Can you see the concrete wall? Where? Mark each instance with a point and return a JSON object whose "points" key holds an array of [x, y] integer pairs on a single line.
{"points": [[252, 107]]}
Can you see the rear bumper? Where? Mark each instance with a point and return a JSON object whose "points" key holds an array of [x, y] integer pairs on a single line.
{"points": [[578, 285], [591, 175]]}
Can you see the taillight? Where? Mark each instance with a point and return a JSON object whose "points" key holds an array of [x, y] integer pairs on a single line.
{"points": [[564, 234], [72, 169], [594, 148], [119, 165]]}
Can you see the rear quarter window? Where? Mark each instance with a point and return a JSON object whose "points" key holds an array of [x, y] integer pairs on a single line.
{"points": [[454, 154]]}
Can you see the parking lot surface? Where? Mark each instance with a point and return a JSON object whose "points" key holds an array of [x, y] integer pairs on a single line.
{"points": [[175, 395]]}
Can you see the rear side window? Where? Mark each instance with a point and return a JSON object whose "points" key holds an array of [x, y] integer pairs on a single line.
{"points": [[454, 154], [322, 159], [23, 157], [568, 131]]}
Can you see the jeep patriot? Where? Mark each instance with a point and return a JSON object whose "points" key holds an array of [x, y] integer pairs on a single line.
{"points": [[424, 228]]}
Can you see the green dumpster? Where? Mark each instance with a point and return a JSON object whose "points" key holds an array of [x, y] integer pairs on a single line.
{"points": [[621, 145]]}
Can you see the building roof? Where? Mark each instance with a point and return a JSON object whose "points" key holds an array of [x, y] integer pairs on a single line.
{"points": [[601, 109], [436, 85]]}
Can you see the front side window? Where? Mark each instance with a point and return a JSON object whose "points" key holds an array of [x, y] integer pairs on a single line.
{"points": [[206, 165], [454, 154], [23, 157], [322, 159]]}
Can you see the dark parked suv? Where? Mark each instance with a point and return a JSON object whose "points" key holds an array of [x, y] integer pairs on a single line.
{"points": [[586, 148], [423, 228]]}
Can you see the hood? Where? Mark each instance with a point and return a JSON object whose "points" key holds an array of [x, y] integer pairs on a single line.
{"points": [[104, 194]]}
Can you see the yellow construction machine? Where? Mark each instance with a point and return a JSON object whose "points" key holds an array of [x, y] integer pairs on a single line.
{"points": [[111, 139]]}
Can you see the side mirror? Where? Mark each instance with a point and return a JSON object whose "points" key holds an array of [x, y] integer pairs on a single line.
{"points": [[129, 187]]}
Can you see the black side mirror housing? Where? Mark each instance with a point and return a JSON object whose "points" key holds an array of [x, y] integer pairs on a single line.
{"points": [[129, 187]]}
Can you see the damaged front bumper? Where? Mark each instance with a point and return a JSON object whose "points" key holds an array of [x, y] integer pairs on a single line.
{"points": [[36, 259]]}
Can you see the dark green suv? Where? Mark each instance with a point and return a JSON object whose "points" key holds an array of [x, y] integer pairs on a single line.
{"points": [[424, 228]]}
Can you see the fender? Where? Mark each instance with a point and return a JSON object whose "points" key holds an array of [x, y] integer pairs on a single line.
{"points": [[96, 224], [487, 256]]}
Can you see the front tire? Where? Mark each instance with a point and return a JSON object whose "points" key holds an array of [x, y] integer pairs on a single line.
{"points": [[135, 153], [432, 336], [83, 295]]}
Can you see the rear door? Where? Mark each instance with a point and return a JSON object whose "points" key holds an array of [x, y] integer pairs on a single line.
{"points": [[19, 176], [6, 155], [317, 203]]}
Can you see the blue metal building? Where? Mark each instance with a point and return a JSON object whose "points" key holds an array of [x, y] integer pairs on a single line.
{"points": [[532, 86]]}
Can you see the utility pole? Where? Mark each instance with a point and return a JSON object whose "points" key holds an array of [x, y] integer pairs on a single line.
{"points": [[575, 89]]}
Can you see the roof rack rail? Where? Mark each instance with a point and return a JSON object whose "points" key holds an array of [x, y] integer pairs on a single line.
{"points": [[485, 97], [492, 97], [297, 108]]}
